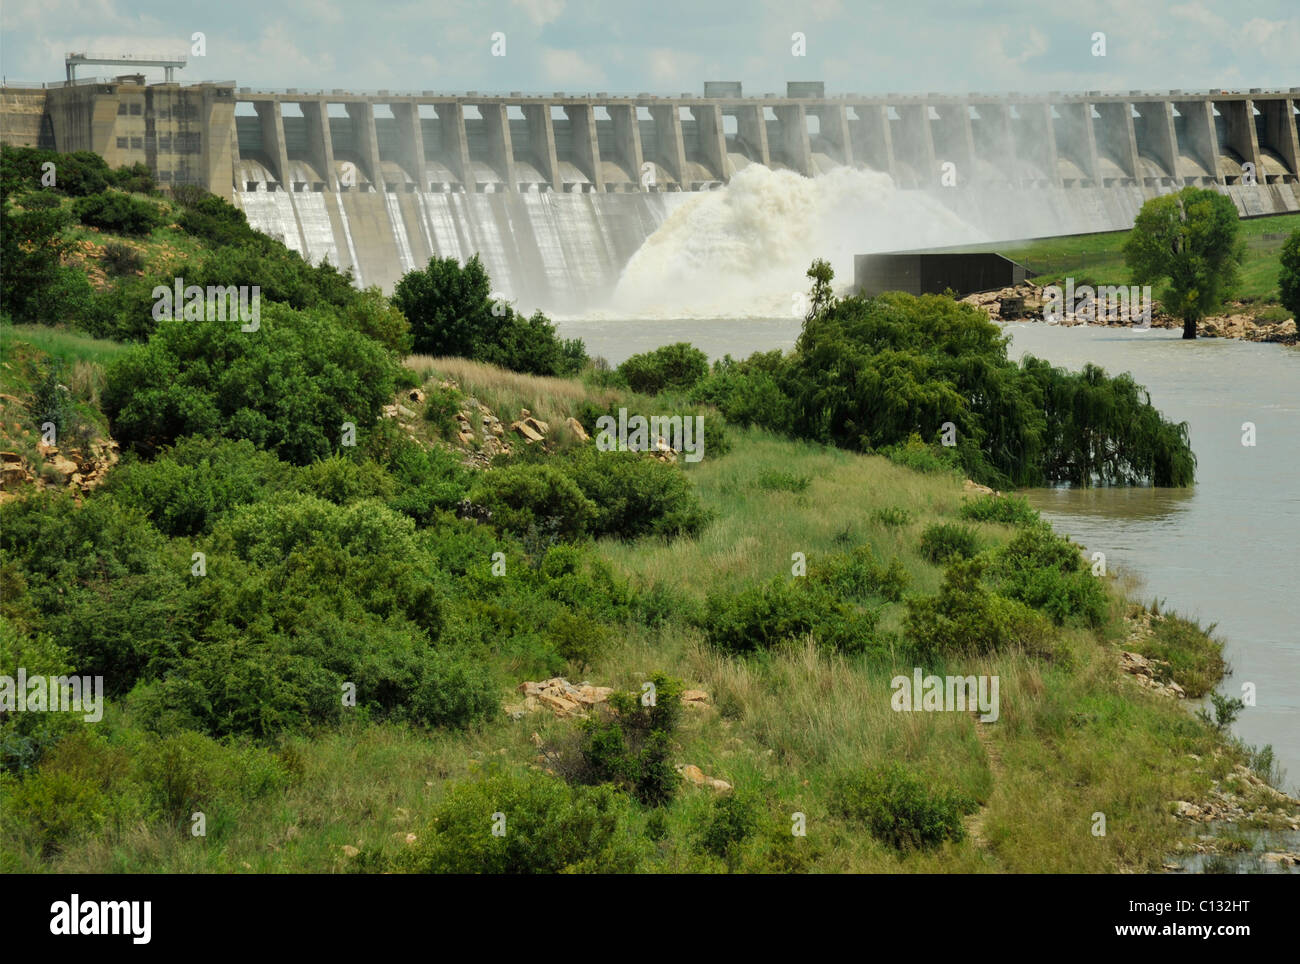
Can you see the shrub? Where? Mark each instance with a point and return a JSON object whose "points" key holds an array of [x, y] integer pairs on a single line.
{"points": [[451, 312], [524, 496], [673, 367], [1008, 509], [858, 575], [965, 619], [1043, 570], [778, 481], [288, 387], [197, 481], [944, 540], [748, 392], [118, 212], [634, 495], [1288, 277], [730, 821], [577, 639], [548, 828], [122, 259], [56, 806], [765, 615], [899, 809], [212, 218], [631, 749], [429, 480], [892, 516]]}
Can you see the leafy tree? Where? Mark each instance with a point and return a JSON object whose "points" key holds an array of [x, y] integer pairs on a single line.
{"points": [[288, 387], [1288, 279], [671, 367], [451, 312], [447, 305], [31, 246], [821, 297], [1191, 238]]}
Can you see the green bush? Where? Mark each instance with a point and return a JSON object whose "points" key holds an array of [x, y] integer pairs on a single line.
{"points": [[778, 481], [748, 392], [548, 828], [1007, 509], [57, 806], [630, 749], [892, 516], [288, 387], [900, 810], [122, 259], [945, 540], [524, 496], [729, 822], [966, 619], [451, 312], [920, 457], [634, 495], [118, 212], [198, 480], [576, 638], [1043, 570], [765, 615], [674, 367], [1288, 276], [858, 575]]}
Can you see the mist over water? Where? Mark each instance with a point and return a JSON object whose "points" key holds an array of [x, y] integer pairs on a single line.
{"points": [[742, 251]]}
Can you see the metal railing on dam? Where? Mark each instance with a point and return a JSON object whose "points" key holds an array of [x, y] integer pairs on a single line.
{"points": [[479, 142]]}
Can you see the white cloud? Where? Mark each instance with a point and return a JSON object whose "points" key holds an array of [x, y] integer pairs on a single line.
{"points": [[540, 12], [570, 67]]}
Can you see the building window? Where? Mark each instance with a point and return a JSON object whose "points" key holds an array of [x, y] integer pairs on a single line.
{"points": [[165, 143], [121, 107], [137, 143], [121, 142], [136, 108]]}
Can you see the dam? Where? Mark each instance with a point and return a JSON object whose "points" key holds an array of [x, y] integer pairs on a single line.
{"points": [[558, 191]]}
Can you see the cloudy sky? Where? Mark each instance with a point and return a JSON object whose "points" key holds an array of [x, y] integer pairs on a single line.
{"points": [[671, 46]]}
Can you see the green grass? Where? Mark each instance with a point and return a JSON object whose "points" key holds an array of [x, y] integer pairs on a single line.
{"points": [[787, 727], [1099, 257], [65, 344]]}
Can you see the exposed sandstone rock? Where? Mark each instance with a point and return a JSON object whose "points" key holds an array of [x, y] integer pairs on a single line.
{"points": [[561, 697], [694, 775], [574, 426]]}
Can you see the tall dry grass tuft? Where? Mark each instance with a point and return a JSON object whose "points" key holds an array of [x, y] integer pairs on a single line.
{"points": [[507, 393]]}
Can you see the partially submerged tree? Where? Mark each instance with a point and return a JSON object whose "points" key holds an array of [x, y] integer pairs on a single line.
{"points": [[1190, 238]]}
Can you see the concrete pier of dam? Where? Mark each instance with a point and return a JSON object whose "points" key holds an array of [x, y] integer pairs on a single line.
{"points": [[556, 191]]}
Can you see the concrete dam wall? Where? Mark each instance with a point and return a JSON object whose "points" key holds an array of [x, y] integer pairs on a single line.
{"points": [[556, 192]]}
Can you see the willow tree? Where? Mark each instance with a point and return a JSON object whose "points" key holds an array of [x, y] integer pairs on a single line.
{"points": [[1191, 239]]}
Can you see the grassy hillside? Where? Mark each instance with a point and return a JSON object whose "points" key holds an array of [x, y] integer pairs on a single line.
{"points": [[1099, 257], [325, 582]]}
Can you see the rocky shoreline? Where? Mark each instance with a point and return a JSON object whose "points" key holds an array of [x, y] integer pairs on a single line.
{"points": [[1024, 303]]}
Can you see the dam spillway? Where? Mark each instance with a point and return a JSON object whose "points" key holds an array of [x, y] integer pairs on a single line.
{"points": [[557, 191]]}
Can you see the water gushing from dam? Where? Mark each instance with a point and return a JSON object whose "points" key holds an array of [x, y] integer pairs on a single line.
{"points": [[559, 252]]}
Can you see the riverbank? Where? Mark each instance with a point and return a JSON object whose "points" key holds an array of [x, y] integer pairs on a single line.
{"points": [[1025, 303]]}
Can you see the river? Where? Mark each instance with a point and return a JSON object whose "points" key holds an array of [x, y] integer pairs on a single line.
{"points": [[1223, 552]]}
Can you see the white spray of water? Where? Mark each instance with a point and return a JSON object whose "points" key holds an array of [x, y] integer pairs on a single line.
{"points": [[742, 251]]}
